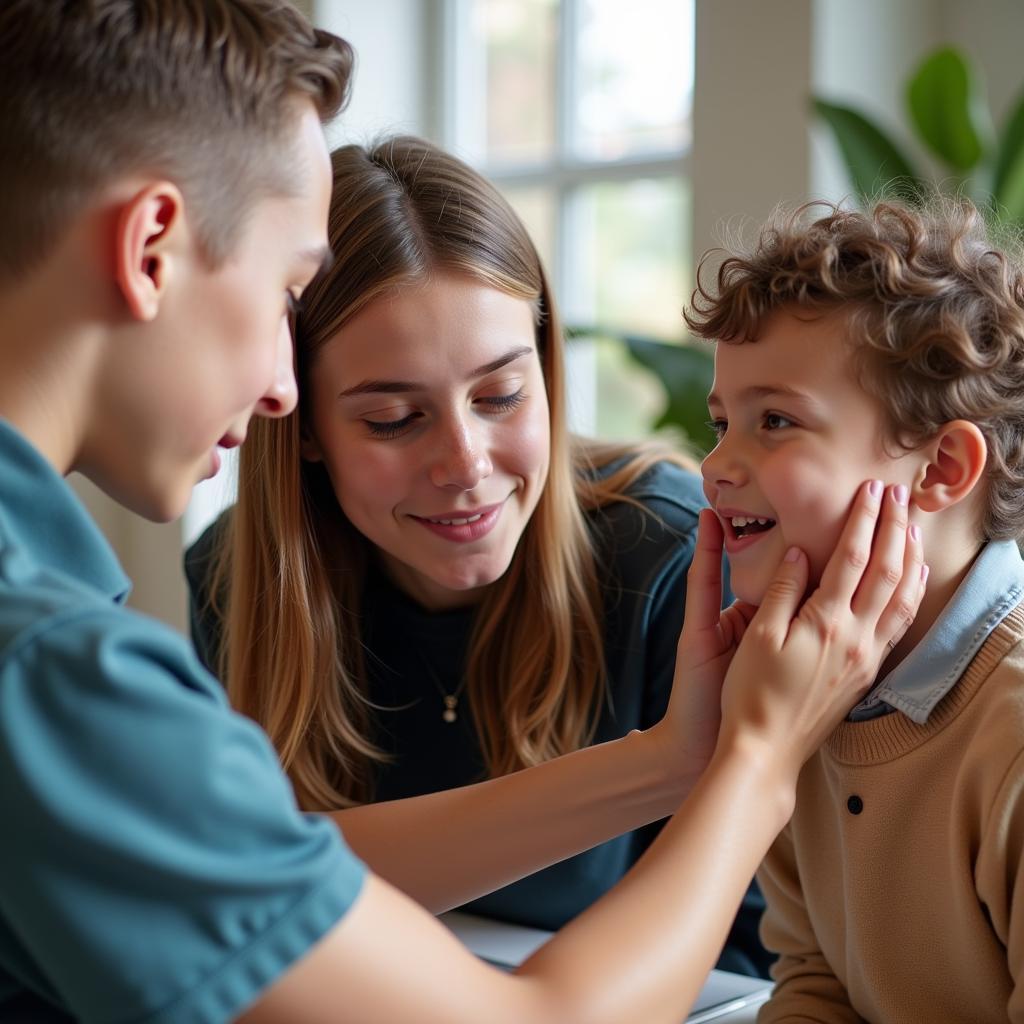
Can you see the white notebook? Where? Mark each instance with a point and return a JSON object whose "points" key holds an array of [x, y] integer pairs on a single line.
{"points": [[508, 945]]}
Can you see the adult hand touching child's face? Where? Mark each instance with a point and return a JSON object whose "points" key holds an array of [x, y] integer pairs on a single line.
{"points": [[783, 675], [801, 667]]}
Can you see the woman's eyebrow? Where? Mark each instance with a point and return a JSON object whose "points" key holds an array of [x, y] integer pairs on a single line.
{"points": [[397, 387], [497, 364]]}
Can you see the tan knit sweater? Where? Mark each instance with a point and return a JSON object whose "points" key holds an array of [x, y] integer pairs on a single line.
{"points": [[896, 893]]}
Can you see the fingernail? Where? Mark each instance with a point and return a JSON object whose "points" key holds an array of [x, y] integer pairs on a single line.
{"points": [[792, 554], [875, 489], [915, 531], [899, 493], [924, 573]]}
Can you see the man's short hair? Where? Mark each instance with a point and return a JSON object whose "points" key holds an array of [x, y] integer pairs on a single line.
{"points": [[200, 91], [934, 313]]}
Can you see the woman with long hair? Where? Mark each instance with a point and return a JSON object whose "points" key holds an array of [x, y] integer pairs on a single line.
{"points": [[426, 581]]}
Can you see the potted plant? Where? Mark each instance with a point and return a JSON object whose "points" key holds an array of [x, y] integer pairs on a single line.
{"points": [[949, 114]]}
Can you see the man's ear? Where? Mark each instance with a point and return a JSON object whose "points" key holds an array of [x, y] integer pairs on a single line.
{"points": [[142, 261], [956, 459]]}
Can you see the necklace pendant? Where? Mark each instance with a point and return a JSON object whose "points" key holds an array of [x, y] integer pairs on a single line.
{"points": [[450, 703]]}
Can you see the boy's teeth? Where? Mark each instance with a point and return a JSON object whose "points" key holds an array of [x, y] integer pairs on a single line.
{"points": [[745, 521], [457, 522]]}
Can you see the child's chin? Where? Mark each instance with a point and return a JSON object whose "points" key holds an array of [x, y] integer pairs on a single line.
{"points": [[748, 590]]}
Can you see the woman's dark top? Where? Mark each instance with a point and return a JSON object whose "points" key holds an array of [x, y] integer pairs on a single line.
{"points": [[414, 657]]}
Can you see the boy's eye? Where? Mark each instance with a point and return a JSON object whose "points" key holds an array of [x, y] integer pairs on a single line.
{"points": [[390, 428], [717, 427], [776, 421], [503, 403]]}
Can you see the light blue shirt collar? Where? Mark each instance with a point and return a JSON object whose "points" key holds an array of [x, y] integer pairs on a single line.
{"points": [[992, 588]]}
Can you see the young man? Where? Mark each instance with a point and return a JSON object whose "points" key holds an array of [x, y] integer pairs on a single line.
{"points": [[889, 343], [163, 201]]}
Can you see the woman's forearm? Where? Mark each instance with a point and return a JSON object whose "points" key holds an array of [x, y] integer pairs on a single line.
{"points": [[447, 848], [674, 908], [640, 953]]}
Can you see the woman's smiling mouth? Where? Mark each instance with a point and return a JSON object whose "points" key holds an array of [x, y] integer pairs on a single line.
{"points": [[460, 527]]}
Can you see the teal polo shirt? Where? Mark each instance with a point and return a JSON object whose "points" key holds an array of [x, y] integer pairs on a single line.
{"points": [[153, 864]]}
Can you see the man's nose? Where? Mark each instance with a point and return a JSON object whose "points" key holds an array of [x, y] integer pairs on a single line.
{"points": [[281, 396]]}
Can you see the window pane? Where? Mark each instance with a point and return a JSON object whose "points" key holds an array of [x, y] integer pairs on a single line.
{"points": [[518, 38], [634, 82], [631, 243], [536, 209]]}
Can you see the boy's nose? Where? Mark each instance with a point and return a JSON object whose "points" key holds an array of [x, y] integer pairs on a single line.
{"points": [[282, 396], [462, 460], [722, 466]]}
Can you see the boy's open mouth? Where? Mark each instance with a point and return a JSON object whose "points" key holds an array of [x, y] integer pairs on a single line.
{"points": [[743, 526]]}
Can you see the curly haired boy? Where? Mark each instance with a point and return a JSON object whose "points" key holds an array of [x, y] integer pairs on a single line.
{"points": [[890, 344]]}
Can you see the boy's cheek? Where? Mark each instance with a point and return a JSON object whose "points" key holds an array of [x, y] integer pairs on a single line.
{"points": [[818, 534], [812, 505]]}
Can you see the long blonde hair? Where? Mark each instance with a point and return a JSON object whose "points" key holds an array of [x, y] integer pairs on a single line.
{"points": [[292, 656]]}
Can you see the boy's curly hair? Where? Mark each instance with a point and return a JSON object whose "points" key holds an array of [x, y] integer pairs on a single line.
{"points": [[935, 318]]}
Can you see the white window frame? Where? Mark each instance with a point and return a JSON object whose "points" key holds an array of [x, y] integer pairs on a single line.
{"points": [[566, 173], [462, 88]]}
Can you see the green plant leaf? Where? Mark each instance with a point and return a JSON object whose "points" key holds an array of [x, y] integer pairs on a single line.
{"points": [[1008, 180], [948, 109], [687, 372], [874, 162]]}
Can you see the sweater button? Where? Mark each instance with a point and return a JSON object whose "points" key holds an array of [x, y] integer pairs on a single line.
{"points": [[855, 805]]}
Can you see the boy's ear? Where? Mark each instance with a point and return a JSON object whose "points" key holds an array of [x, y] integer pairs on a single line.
{"points": [[957, 456], [142, 260]]}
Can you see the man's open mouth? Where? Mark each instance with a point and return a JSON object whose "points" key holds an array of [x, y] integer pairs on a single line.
{"points": [[743, 526]]}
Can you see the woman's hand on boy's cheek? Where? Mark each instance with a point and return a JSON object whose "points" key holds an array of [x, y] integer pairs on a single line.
{"points": [[708, 640], [804, 664]]}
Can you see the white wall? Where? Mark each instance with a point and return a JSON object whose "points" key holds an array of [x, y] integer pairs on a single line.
{"points": [[393, 43], [750, 147]]}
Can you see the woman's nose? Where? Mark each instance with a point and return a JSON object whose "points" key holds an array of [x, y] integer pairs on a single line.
{"points": [[462, 459]]}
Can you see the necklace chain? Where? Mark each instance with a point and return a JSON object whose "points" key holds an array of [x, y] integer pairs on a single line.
{"points": [[451, 700]]}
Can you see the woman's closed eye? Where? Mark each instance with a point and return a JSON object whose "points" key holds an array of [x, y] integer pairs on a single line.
{"points": [[391, 428], [492, 404], [503, 403]]}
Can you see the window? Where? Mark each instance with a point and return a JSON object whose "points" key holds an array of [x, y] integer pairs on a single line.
{"points": [[580, 111]]}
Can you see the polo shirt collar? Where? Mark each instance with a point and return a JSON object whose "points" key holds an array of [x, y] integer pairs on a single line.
{"points": [[42, 519], [992, 588]]}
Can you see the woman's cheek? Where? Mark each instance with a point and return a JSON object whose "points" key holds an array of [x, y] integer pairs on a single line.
{"points": [[529, 441], [371, 477]]}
